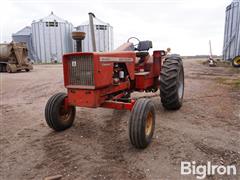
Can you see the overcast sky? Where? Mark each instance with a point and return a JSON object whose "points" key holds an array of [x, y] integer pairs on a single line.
{"points": [[185, 26]]}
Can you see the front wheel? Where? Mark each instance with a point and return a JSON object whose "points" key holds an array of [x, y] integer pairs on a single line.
{"points": [[236, 61], [59, 117], [142, 123], [11, 68]]}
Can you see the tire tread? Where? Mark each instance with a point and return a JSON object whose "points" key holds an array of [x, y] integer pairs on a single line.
{"points": [[169, 83]]}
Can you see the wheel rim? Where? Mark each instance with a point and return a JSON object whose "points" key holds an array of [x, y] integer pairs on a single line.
{"points": [[237, 61], [64, 114], [180, 85], [149, 124]]}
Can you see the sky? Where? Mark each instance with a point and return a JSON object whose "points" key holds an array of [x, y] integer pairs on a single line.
{"points": [[186, 26]]}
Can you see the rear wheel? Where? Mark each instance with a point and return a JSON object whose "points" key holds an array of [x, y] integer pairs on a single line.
{"points": [[236, 61], [172, 83], [59, 117], [142, 123], [4, 68]]}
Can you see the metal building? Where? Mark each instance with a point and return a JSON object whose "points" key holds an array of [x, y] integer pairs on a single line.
{"points": [[231, 47], [25, 35], [51, 38], [103, 36]]}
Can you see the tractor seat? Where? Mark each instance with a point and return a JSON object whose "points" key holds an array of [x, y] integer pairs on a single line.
{"points": [[143, 47], [142, 54]]}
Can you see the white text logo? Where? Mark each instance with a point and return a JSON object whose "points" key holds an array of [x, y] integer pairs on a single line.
{"points": [[201, 171]]}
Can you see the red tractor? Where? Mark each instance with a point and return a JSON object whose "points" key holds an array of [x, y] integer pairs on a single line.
{"points": [[99, 79]]}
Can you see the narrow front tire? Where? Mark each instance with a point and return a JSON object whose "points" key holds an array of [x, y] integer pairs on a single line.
{"points": [[142, 123], [58, 116]]}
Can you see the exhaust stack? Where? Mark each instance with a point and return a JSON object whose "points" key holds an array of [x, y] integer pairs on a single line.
{"points": [[91, 16]]}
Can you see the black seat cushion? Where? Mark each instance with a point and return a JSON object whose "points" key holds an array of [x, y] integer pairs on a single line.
{"points": [[144, 45], [142, 54]]}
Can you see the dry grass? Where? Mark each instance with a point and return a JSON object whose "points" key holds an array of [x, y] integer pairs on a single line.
{"points": [[235, 83]]}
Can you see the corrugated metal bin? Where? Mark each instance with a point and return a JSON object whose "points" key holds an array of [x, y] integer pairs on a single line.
{"points": [[24, 35], [231, 47], [103, 36], [51, 38]]}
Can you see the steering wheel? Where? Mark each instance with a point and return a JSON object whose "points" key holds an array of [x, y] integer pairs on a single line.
{"points": [[134, 44]]}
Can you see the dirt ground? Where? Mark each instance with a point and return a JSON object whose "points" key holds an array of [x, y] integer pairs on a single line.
{"points": [[206, 128]]}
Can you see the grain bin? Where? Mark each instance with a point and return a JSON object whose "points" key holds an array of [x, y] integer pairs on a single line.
{"points": [[51, 38], [231, 46], [25, 36], [103, 36]]}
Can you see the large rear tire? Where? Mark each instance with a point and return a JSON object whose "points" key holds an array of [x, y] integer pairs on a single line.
{"points": [[57, 117], [142, 123], [172, 83], [236, 61]]}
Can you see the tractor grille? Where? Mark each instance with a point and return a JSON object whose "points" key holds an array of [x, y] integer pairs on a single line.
{"points": [[81, 70]]}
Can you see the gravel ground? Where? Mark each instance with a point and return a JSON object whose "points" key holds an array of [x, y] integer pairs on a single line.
{"points": [[206, 128]]}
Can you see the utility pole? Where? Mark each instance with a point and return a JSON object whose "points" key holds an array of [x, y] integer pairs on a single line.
{"points": [[210, 46]]}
